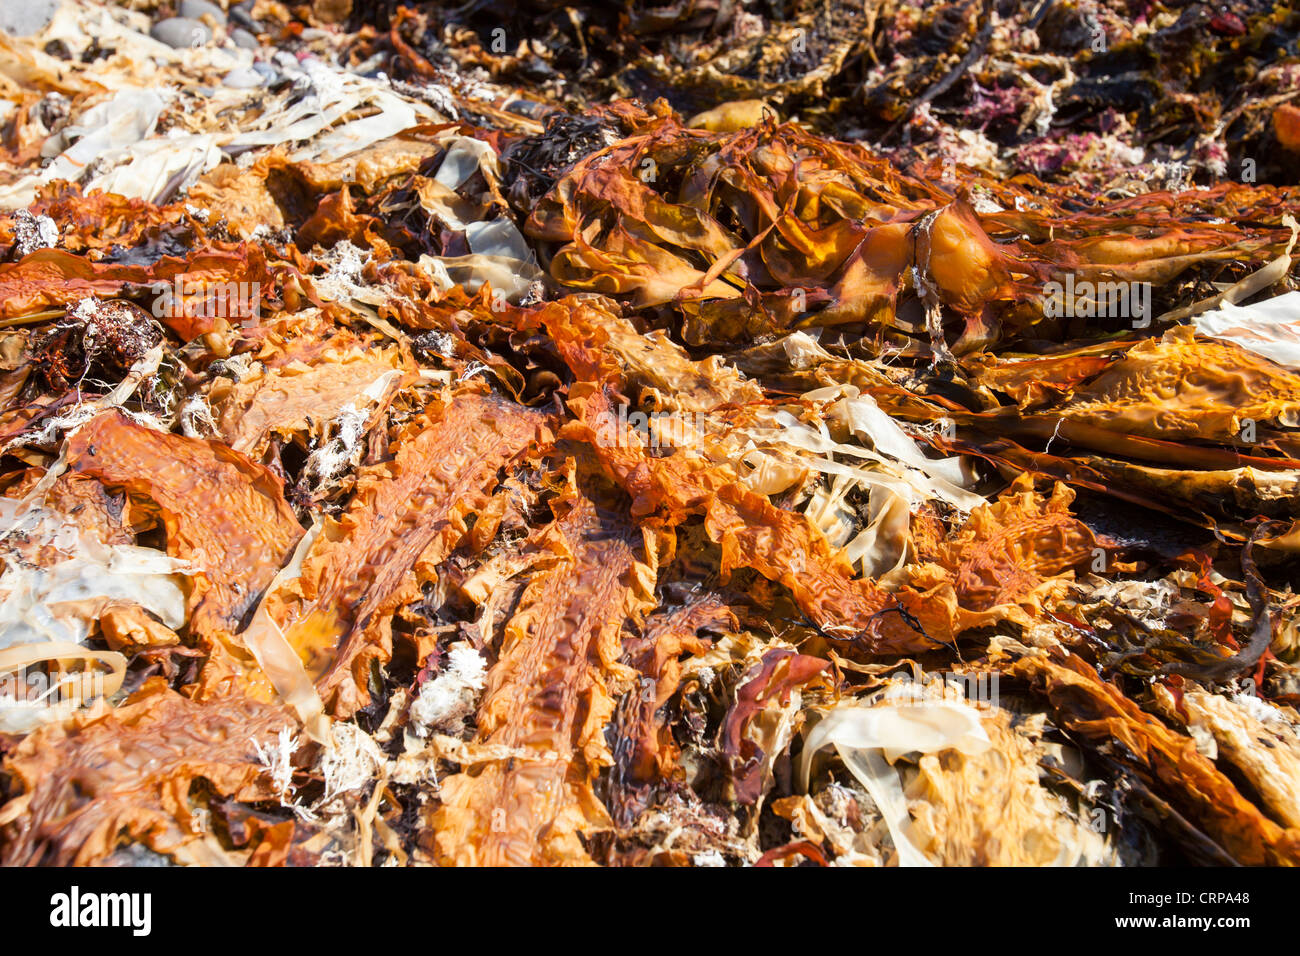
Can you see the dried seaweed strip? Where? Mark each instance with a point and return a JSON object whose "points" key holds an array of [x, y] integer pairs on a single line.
{"points": [[547, 698], [101, 222], [781, 545], [785, 547], [1169, 762], [1260, 741], [772, 687], [78, 786], [223, 512], [644, 752], [992, 809], [297, 398], [405, 518], [55, 279], [657, 370], [1014, 552], [1182, 386]]}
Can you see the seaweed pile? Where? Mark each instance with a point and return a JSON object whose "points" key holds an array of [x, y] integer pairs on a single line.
{"points": [[412, 455], [1112, 94]]}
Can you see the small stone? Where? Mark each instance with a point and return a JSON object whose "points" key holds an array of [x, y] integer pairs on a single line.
{"points": [[179, 32], [244, 79], [242, 14], [244, 39], [267, 70], [195, 9], [27, 18]]}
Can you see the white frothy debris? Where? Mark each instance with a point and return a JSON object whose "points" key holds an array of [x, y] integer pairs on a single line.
{"points": [[448, 699], [1174, 175], [275, 757], [475, 85], [710, 858], [1259, 709], [345, 263], [441, 99], [84, 310], [442, 343], [202, 215], [349, 763], [983, 203], [33, 232], [329, 460], [344, 449], [196, 418]]}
